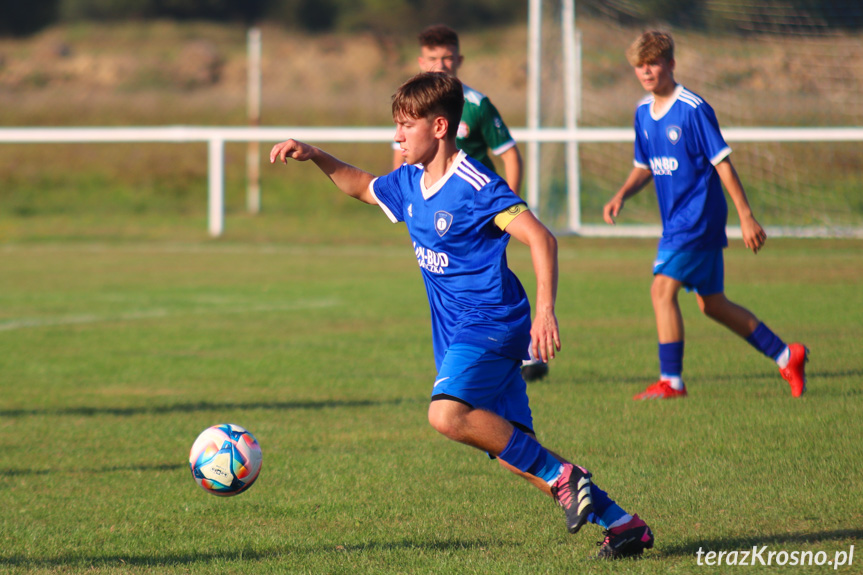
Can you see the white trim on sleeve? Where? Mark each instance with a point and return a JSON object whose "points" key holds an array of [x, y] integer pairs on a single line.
{"points": [[383, 206], [723, 153], [503, 147]]}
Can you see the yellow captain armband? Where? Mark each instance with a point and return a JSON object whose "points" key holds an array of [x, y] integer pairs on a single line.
{"points": [[504, 218]]}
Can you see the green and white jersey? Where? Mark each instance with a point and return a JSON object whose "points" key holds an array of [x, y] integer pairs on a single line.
{"points": [[482, 129]]}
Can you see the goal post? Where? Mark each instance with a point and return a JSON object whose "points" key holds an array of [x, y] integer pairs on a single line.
{"points": [[787, 99]]}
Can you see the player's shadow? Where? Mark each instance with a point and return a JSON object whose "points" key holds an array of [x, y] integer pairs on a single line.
{"points": [[812, 377], [94, 470], [150, 560], [690, 548], [88, 411], [646, 378]]}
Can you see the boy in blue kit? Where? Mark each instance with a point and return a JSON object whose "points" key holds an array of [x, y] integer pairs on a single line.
{"points": [[679, 145], [460, 216], [481, 129]]}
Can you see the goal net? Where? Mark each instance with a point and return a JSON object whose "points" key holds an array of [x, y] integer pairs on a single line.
{"points": [[767, 64]]}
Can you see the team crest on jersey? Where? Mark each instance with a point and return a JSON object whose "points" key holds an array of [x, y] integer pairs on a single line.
{"points": [[410, 210], [463, 130], [442, 222], [673, 133]]}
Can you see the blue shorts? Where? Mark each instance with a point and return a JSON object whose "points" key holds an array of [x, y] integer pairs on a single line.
{"points": [[702, 272], [482, 379]]}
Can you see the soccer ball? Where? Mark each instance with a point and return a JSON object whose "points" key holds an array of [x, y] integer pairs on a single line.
{"points": [[225, 459]]}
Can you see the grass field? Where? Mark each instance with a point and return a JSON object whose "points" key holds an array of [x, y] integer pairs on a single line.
{"points": [[117, 354], [125, 331]]}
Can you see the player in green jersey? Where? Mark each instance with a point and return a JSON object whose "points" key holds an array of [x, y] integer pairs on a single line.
{"points": [[481, 128]]}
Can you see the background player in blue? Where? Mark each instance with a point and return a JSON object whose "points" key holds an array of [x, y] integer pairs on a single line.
{"points": [[679, 145], [481, 129], [460, 216]]}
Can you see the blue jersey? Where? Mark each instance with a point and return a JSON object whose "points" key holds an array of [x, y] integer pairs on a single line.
{"points": [[473, 295], [681, 147]]}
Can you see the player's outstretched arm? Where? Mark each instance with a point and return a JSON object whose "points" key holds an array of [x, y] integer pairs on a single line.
{"points": [[352, 181], [544, 333], [636, 180], [753, 234]]}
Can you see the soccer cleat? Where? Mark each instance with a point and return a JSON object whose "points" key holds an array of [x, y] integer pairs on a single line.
{"points": [[572, 492], [628, 540], [795, 372], [661, 390], [534, 370]]}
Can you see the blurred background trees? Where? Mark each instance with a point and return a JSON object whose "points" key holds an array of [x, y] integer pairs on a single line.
{"points": [[21, 18], [390, 16]]}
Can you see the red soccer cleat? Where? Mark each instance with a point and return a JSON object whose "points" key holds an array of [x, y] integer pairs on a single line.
{"points": [[661, 390], [795, 372]]}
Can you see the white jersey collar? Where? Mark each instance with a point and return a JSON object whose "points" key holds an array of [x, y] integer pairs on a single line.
{"points": [[658, 114], [429, 192]]}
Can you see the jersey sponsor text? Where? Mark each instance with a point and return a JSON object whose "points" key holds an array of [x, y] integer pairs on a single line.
{"points": [[663, 165], [430, 260]]}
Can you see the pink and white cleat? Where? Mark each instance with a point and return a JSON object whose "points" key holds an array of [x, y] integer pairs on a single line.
{"points": [[628, 540], [572, 492]]}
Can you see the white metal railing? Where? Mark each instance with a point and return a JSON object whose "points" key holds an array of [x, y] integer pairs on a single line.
{"points": [[216, 136]]}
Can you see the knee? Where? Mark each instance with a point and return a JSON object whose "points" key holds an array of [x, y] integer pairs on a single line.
{"points": [[443, 421], [662, 293], [712, 306]]}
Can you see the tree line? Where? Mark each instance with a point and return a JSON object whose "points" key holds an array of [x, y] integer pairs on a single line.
{"points": [[23, 18], [19, 18]]}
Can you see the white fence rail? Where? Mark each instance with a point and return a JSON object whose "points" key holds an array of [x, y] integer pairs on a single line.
{"points": [[216, 136]]}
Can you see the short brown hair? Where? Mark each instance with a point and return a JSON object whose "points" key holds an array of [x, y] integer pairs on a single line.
{"points": [[651, 46], [428, 95], [438, 35]]}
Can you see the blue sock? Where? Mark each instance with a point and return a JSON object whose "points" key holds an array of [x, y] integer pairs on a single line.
{"points": [[671, 358], [766, 341], [605, 511], [526, 454]]}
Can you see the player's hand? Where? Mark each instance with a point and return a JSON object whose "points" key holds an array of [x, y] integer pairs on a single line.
{"points": [[291, 149], [544, 335], [612, 209], [754, 236]]}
